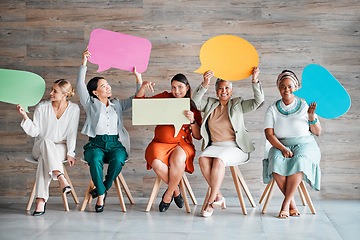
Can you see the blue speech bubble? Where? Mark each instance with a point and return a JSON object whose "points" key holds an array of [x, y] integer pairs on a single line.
{"points": [[320, 86]]}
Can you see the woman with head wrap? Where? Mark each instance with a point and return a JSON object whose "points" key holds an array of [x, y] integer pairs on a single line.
{"points": [[294, 156]]}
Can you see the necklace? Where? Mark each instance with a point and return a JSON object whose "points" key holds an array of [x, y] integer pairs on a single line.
{"points": [[291, 111]]}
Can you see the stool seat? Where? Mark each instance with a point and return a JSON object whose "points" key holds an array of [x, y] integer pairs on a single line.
{"points": [[63, 195]]}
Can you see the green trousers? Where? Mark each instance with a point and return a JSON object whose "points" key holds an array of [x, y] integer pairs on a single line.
{"points": [[104, 149]]}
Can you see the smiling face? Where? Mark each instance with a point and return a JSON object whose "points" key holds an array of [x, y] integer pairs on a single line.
{"points": [[286, 88], [178, 89], [56, 93], [103, 90], [224, 91]]}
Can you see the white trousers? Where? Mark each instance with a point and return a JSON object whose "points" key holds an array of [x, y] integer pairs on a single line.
{"points": [[50, 158]]}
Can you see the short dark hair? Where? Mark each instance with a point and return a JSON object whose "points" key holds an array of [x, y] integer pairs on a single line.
{"points": [[92, 85]]}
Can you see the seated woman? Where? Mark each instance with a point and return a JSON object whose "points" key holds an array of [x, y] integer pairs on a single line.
{"points": [[108, 139], [294, 156], [54, 127], [225, 138], [170, 156]]}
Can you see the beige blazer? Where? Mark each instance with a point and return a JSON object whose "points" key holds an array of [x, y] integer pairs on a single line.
{"points": [[236, 109]]}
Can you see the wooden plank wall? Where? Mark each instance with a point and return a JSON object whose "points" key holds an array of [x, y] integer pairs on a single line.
{"points": [[48, 37]]}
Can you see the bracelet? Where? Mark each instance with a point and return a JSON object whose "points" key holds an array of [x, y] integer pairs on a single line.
{"points": [[313, 122], [193, 122]]}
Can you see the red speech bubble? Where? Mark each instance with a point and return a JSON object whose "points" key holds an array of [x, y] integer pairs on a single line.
{"points": [[117, 50]]}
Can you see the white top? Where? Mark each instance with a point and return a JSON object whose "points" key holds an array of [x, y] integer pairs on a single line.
{"points": [[107, 121], [46, 125], [288, 120]]}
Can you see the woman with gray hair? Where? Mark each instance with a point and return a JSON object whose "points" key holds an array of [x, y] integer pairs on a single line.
{"points": [[225, 138], [295, 156]]}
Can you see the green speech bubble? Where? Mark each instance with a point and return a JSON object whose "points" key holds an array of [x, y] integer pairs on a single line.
{"points": [[21, 87]]}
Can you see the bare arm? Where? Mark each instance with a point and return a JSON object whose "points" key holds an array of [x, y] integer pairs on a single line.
{"points": [[146, 86], [195, 128], [274, 141], [315, 126]]}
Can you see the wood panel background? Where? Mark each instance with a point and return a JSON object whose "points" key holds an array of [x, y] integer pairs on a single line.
{"points": [[48, 37]]}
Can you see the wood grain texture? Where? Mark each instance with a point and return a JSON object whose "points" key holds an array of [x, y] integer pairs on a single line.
{"points": [[48, 37]]}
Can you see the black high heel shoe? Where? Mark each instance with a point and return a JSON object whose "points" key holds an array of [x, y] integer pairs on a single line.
{"points": [[163, 206], [66, 189], [36, 214], [179, 201], [100, 208]]}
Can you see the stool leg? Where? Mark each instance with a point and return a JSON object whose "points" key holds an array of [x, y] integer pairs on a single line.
{"points": [[126, 188], [189, 189], [238, 190], [206, 199], [31, 198], [65, 201], [270, 194], [244, 186], [183, 192], [154, 193], [307, 197], [121, 198], [73, 193], [87, 198], [301, 196], [264, 193]]}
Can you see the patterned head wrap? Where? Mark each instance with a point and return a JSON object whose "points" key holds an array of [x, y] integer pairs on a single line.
{"points": [[287, 74]]}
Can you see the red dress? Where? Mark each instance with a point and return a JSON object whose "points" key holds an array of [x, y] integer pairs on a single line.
{"points": [[164, 142]]}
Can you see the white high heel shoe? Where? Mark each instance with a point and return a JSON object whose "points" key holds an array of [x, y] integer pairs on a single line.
{"points": [[207, 213], [221, 203]]}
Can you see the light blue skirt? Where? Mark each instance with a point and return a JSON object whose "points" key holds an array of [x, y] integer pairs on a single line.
{"points": [[306, 159]]}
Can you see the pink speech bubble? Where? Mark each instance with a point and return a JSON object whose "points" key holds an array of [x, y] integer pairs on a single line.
{"points": [[117, 50]]}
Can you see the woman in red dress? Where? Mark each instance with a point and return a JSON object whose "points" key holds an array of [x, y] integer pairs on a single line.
{"points": [[170, 156]]}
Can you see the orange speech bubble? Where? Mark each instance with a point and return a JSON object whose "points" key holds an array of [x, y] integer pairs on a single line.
{"points": [[229, 57]]}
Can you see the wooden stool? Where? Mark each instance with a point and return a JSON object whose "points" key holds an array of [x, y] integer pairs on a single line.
{"points": [[238, 180], [184, 182], [304, 195], [118, 180], [32, 194]]}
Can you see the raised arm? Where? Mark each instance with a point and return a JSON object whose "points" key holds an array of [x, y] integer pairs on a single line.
{"points": [[315, 126], [80, 80], [146, 86], [127, 103], [253, 104], [201, 90]]}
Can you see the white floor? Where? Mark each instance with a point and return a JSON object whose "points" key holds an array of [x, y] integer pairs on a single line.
{"points": [[335, 219]]}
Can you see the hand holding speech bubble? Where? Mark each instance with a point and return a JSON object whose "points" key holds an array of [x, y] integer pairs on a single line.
{"points": [[117, 50], [320, 86], [21, 87], [160, 111], [229, 57]]}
